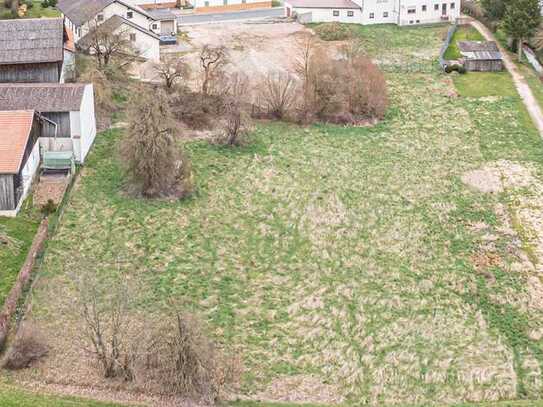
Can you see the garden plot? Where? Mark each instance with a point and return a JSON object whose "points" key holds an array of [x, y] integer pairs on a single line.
{"points": [[367, 263]]}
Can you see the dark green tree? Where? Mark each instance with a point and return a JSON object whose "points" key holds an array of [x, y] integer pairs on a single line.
{"points": [[494, 9], [521, 20]]}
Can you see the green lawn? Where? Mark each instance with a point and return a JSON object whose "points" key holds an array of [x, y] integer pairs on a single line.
{"points": [[352, 261], [20, 232], [463, 33], [37, 11], [13, 397]]}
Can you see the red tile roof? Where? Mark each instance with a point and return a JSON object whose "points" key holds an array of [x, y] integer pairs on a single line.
{"points": [[15, 127]]}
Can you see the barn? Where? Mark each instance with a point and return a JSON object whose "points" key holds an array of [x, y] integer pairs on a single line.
{"points": [[483, 56], [32, 50], [19, 157], [68, 110]]}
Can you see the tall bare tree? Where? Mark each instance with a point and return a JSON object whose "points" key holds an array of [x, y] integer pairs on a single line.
{"points": [[212, 61]]}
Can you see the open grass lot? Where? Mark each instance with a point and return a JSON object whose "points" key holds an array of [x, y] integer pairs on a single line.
{"points": [[37, 11], [16, 235], [344, 264], [464, 33]]}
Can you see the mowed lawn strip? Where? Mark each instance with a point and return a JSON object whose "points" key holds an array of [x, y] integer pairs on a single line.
{"points": [[346, 258], [463, 33]]}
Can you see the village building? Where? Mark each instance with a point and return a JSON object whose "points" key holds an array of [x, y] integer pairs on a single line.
{"points": [[34, 50], [400, 12], [167, 19], [67, 111], [205, 6], [483, 56], [81, 16], [19, 157]]}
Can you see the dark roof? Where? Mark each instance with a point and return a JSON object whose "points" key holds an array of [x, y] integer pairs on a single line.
{"points": [[323, 4], [480, 50], [42, 97], [81, 11], [161, 14], [32, 40], [111, 25]]}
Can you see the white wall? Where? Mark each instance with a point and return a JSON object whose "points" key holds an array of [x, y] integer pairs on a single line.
{"points": [[380, 12], [319, 15], [431, 15], [84, 125], [147, 45], [215, 3]]}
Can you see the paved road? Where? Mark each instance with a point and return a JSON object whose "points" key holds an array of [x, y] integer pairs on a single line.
{"points": [[520, 82], [192, 19]]}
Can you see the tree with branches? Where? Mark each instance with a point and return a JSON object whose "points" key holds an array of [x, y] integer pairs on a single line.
{"points": [[521, 20], [171, 70], [212, 62]]}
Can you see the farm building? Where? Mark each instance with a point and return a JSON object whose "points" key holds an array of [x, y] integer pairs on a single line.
{"points": [[19, 157], [400, 12], [168, 21], [33, 50], [145, 42], [68, 108], [481, 56]]}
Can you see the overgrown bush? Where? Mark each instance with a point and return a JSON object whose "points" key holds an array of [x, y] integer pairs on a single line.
{"points": [[196, 110], [177, 357], [278, 95], [333, 31], [28, 347], [155, 163], [48, 208], [235, 119]]}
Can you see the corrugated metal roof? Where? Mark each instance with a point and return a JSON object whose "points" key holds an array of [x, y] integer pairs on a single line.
{"points": [[42, 97], [480, 50], [31, 40], [161, 14], [15, 129], [323, 4]]}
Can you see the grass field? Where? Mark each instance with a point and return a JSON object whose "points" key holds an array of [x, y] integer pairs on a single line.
{"points": [[19, 233], [344, 264], [464, 33], [37, 11]]}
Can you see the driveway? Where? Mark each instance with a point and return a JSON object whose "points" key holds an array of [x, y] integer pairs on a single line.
{"points": [[194, 19], [520, 82]]}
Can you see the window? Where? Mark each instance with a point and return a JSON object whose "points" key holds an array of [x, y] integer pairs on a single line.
{"points": [[372, 15], [206, 3], [133, 37], [243, 1], [411, 10], [453, 6], [424, 8], [225, 2], [385, 14], [155, 26], [335, 13], [100, 17], [129, 14], [436, 7], [350, 13], [411, 22]]}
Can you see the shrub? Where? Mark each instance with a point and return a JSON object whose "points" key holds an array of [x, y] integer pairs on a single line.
{"points": [[461, 69], [48, 208], [449, 68], [27, 348], [278, 95], [333, 31], [178, 358]]}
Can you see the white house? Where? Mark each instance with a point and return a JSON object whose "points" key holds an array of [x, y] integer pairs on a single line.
{"points": [[146, 42], [82, 15], [19, 157], [400, 12], [67, 111]]}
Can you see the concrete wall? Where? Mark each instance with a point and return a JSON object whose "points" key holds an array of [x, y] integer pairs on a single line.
{"points": [[84, 138], [327, 14], [214, 6]]}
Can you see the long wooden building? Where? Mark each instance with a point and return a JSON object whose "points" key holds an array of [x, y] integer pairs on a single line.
{"points": [[32, 50]]}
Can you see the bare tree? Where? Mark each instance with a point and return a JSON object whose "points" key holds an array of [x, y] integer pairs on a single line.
{"points": [[172, 70], [278, 94], [105, 42], [212, 61], [155, 162], [302, 67], [235, 90]]}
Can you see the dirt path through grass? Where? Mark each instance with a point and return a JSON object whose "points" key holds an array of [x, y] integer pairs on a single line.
{"points": [[520, 82]]}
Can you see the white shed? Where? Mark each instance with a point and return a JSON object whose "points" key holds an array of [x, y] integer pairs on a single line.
{"points": [[68, 110]]}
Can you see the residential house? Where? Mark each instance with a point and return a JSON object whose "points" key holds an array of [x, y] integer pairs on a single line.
{"points": [[168, 21], [33, 50], [205, 6], [67, 109], [82, 15], [400, 12], [19, 157], [145, 42]]}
